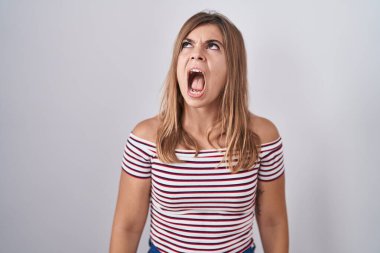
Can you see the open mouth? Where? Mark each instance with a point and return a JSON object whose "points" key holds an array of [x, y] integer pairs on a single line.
{"points": [[196, 82]]}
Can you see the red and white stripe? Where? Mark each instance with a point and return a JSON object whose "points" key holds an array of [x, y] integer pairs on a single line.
{"points": [[197, 206]]}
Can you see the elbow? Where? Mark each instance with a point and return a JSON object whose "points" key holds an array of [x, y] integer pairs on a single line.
{"points": [[130, 227], [272, 220]]}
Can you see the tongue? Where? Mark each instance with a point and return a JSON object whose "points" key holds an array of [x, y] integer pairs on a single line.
{"points": [[198, 82]]}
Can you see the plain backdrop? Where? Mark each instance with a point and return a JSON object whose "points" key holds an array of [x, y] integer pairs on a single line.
{"points": [[76, 76]]}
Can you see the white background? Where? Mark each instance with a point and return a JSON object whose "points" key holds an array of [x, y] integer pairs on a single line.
{"points": [[76, 76]]}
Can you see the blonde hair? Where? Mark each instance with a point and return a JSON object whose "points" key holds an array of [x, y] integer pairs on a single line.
{"points": [[233, 119]]}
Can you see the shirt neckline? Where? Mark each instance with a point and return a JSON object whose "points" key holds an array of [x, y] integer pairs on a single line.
{"points": [[177, 149], [152, 144]]}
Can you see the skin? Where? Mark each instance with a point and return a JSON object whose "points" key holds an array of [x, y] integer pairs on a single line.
{"points": [[202, 48], [271, 212], [199, 114]]}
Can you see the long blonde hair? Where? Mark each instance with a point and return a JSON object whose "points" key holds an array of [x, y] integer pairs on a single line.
{"points": [[233, 120]]}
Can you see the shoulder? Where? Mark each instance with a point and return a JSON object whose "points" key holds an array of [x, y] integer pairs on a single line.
{"points": [[147, 129], [264, 128]]}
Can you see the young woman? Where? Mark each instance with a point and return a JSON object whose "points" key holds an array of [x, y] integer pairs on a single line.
{"points": [[205, 165]]}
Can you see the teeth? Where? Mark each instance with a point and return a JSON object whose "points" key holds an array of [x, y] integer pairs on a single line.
{"points": [[195, 91], [195, 70]]}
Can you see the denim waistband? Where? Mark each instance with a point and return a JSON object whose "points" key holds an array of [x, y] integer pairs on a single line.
{"points": [[153, 249]]}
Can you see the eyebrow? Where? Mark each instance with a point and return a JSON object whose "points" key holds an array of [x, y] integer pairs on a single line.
{"points": [[207, 41]]}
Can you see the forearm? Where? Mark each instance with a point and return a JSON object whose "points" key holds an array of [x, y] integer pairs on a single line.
{"points": [[124, 241], [275, 238]]}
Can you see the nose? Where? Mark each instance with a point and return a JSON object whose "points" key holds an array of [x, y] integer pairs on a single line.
{"points": [[197, 54], [198, 57]]}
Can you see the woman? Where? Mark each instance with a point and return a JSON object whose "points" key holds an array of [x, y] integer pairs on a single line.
{"points": [[205, 165]]}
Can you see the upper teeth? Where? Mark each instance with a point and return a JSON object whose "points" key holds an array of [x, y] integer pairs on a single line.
{"points": [[195, 70]]}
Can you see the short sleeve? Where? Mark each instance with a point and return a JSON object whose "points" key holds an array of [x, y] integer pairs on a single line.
{"points": [[136, 158], [271, 160]]}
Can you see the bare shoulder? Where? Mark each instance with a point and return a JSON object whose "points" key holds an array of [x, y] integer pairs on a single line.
{"points": [[265, 128], [147, 129]]}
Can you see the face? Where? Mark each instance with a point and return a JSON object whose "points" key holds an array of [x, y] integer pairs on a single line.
{"points": [[202, 66]]}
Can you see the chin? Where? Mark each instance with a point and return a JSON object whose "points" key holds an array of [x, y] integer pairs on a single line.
{"points": [[194, 104]]}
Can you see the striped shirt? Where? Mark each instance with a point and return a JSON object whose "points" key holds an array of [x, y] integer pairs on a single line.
{"points": [[196, 206]]}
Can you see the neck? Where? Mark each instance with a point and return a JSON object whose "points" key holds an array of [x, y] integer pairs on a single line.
{"points": [[198, 121]]}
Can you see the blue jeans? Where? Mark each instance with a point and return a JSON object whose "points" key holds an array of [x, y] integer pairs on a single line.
{"points": [[153, 248]]}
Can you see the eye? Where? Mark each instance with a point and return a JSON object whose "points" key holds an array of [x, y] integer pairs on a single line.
{"points": [[213, 45], [186, 44]]}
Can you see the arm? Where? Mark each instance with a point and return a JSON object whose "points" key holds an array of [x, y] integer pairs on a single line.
{"points": [[130, 214], [134, 194], [271, 215], [271, 212]]}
